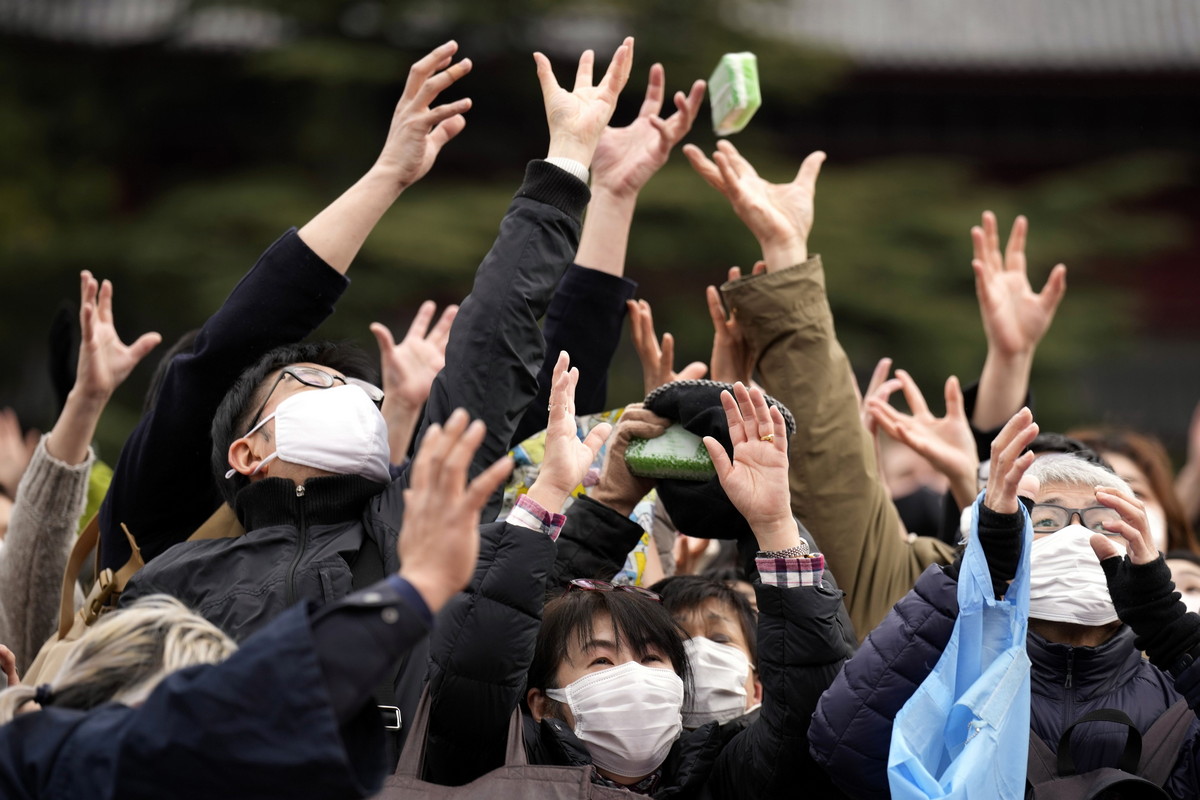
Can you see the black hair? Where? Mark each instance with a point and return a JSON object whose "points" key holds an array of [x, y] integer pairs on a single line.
{"points": [[183, 344], [1049, 442], [682, 594], [642, 623], [245, 396]]}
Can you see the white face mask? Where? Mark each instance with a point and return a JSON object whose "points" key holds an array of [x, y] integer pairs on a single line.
{"points": [[720, 672], [628, 716], [338, 430], [1066, 581], [1158, 524]]}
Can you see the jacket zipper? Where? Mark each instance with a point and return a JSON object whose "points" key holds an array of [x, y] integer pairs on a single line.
{"points": [[291, 578]]}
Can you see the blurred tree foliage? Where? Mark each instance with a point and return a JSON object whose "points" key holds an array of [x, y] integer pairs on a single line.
{"points": [[169, 169]]}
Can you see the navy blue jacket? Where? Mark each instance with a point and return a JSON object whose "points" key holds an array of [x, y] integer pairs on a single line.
{"points": [[289, 715]]}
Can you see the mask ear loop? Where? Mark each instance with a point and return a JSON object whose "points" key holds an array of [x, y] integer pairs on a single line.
{"points": [[266, 460]]}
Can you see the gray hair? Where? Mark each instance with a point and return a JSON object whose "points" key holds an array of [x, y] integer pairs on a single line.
{"points": [[125, 655], [1067, 469]]}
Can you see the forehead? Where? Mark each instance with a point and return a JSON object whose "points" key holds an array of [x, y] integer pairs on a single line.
{"points": [[1068, 495], [1124, 466]]}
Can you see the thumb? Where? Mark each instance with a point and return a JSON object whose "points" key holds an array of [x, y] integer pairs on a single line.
{"points": [[719, 457], [1103, 547], [383, 336], [144, 344], [596, 437], [692, 372]]}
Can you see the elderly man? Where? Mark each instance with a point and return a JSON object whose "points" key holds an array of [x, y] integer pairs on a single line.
{"points": [[1100, 595]]}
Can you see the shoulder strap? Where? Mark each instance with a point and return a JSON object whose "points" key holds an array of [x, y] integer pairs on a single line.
{"points": [[1162, 742], [84, 544], [1043, 766], [1133, 741]]}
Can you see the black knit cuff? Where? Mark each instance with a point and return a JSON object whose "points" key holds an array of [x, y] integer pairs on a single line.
{"points": [[549, 184], [1000, 537], [1145, 599]]}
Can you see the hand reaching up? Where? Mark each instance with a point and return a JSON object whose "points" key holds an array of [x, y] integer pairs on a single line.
{"points": [[619, 488], [756, 480], [439, 540], [1008, 464], [658, 362], [104, 360], [419, 129], [566, 459], [577, 118], [780, 215], [626, 158], [731, 360]]}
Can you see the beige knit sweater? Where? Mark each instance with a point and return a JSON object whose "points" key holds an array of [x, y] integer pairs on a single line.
{"points": [[41, 532]]}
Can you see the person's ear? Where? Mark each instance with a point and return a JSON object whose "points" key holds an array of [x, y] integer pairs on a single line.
{"points": [[538, 702], [758, 689], [244, 458]]}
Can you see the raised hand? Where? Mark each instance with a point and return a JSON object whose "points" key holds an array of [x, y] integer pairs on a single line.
{"points": [[1015, 318], [946, 442], [731, 360], [104, 360], [15, 451], [626, 158], [1133, 527], [419, 129], [658, 362], [439, 540], [780, 215], [577, 118], [756, 480], [1008, 464], [566, 458], [619, 488]]}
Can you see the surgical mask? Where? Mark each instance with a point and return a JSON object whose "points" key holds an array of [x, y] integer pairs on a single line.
{"points": [[1158, 525], [337, 430], [1066, 581], [719, 673], [627, 716]]}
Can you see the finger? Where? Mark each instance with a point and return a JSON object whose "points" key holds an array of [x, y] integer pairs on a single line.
{"points": [[810, 168], [729, 176], [143, 345], [453, 476], [486, 483], [448, 128], [694, 371], [912, 394], [760, 267], [1016, 429], [746, 410], [440, 334], [716, 311], [733, 418], [432, 61], [737, 162], [617, 74], [1104, 547], [1130, 508], [979, 245], [439, 82], [719, 458], [686, 109], [983, 286], [762, 413], [779, 428], [666, 356], [419, 327], [879, 375], [655, 87], [991, 236], [891, 420], [383, 337], [735, 273], [639, 413], [87, 324], [583, 73], [1056, 286], [596, 438], [643, 429], [421, 475], [955, 407], [545, 74], [704, 167], [558, 384], [104, 312], [572, 382], [1014, 251]]}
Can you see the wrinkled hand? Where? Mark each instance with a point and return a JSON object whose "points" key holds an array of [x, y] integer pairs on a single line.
{"points": [[626, 158], [566, 459], [104, 360], [1133, 527], [756, 480], [658, 363], [946, 442], [619, 488], [731, 359], [439, 540], [780, 215], [419, 130], [577, 118], [1015, 318], [881, 387], [15, 451], [8, 663], [1009, 465], [409, 367]]}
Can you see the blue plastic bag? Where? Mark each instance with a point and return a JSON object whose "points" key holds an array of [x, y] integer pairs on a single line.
{"points": [[965, 732]]}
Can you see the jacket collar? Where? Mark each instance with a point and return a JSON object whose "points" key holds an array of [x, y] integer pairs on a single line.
{"points": [[1088, 670], [328, 500]]}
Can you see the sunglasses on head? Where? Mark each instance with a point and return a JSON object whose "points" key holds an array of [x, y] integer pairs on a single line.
{"points": [[596, 585]]}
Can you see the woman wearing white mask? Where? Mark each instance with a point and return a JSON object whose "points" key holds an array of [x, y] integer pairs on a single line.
{"points": [[609, 675], [1100, 595]]}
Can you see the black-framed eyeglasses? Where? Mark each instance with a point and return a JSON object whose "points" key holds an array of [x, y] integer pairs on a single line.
{"points": [[1050, 517], [320, 379], [596, 585]]}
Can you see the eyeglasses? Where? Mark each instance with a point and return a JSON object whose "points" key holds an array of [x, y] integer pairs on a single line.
{"points": [[320, 379], [595, 585], [1049, 517]]}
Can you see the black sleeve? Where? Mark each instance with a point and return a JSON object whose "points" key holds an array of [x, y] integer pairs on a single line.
{"points": [[594, 543]]}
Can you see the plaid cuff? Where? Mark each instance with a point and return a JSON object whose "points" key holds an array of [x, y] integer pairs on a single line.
{"points": [[528, 514], [788, 573]]}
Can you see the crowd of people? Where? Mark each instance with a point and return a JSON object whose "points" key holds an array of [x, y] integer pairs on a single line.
{"points": [[318, 573]]}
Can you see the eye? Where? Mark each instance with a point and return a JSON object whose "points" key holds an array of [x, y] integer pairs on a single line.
{"points": [[603, 661], [652, 658], [721, 638]]}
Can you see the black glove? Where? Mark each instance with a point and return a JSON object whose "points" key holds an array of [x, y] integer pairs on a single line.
{"points": [[1146, 601]]}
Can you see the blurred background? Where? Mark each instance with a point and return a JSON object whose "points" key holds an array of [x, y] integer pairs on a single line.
{"points": [[165, 143]]}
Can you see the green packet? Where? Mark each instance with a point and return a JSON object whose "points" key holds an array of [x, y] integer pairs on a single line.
{"points": [[678, 453], [733, 92]]}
